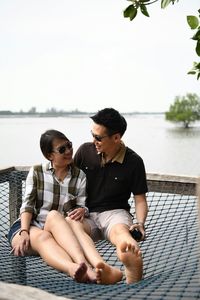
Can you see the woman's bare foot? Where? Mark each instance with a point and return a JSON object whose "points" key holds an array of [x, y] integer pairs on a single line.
{"points": [[80, 275], [91, 275], [106, 274], [84, 274], [132, 260]]}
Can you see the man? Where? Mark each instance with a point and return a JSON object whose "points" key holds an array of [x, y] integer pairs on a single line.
{"points": [[113, 172]]}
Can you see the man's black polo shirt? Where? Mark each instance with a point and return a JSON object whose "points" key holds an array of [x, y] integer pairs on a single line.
{"points": [[109, 185]]}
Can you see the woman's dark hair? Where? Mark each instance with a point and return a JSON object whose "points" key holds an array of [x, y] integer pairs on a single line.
{"points": [[111, 119], [46, 141]]}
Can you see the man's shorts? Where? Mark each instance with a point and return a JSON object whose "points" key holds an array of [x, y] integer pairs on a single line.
{"points": [[101, 223]]}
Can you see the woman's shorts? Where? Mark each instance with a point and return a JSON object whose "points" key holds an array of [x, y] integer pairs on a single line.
{"points": [[14, 229]]}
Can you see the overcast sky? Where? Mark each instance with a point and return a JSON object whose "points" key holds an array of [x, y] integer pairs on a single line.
{"points": [[85, 55]]}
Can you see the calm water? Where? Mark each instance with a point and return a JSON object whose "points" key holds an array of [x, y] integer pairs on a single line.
{"points": [[164, 147]]}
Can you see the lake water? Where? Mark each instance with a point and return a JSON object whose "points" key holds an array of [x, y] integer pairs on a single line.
{"points": [[164, 147]]}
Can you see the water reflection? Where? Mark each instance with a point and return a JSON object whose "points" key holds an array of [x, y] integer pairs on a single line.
{"points": [[180, 132]]}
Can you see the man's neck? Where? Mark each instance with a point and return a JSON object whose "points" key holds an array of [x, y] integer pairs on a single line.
{"points": [[111, 154]]}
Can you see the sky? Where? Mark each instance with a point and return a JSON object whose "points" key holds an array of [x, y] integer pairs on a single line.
{"points": [[85, 55]]}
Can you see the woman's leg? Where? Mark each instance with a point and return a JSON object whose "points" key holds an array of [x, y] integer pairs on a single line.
{"points": [[64, 236], [106, 274], [43, 243]]}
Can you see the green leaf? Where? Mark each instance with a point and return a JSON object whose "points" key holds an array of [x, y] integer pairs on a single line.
{"points": [[193, 22], [130, 12], [133, 14], [143, 1], [196, 37], [144, 10], [198, 48], [165, 3], [191, 72]]}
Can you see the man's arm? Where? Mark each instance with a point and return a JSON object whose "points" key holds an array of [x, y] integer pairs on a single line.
{"points": [[141, 210]]}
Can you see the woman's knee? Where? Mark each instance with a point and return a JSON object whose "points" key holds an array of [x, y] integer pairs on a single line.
{"points": [[52, 216], [44, 236], [74, 224]]}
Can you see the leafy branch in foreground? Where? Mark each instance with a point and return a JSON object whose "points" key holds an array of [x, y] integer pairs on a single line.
{"points": [[194, 23], [132, 10]]}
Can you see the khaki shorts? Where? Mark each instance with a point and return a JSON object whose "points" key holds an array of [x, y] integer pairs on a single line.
{"points": [[101, 223]]}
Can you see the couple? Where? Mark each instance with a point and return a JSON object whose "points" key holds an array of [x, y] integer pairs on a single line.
{"points": [[61, 215]]}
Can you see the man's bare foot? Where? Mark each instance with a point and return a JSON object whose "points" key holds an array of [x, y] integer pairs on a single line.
{"points": [[132, 259], [107, 274]]}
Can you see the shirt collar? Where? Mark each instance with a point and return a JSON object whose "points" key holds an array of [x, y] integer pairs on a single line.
{"points": [[119, 157], [49, 167]]}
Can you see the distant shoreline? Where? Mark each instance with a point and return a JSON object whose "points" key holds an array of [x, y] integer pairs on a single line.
{"points": [[7, 114]]}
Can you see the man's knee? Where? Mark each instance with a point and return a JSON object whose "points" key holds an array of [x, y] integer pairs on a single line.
{"points": [[117, 232]]}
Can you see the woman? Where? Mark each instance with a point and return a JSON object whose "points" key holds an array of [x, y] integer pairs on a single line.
{"points": [[53, 190]]}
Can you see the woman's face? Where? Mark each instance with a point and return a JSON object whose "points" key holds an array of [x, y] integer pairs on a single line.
{"points": [[62, 153]]}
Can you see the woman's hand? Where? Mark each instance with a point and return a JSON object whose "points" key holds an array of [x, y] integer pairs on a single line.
{"points": [[22, 246], [77, 214]]}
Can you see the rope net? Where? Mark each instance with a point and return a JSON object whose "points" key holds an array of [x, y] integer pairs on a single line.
{"points": [[170, 252]]}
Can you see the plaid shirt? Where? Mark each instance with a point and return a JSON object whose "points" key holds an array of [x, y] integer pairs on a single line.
{"points": [[44, 192]]}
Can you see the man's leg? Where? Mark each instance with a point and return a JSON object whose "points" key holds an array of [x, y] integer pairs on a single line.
{"points": [[128, 252]]}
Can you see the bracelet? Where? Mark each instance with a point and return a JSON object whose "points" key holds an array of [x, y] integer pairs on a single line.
{"points": [[140, 223], [20, 232], [86, 214]]}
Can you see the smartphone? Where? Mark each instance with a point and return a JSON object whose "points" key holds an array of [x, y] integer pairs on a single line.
{"points": [[136, 234]]}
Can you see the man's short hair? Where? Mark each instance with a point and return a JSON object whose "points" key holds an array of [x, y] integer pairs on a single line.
{"points": [[111, 119]]}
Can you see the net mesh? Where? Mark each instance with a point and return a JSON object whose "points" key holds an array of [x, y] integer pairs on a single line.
{"points": [[170, 252]]}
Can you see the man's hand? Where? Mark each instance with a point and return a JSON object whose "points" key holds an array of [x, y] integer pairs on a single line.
{"points": [[139, 227], [77, 214]]}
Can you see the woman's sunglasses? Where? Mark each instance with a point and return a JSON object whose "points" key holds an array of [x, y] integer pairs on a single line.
{"points": [[63, 148]]}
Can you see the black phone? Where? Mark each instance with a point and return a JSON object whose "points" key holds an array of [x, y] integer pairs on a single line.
{"points": [[136, 234]]}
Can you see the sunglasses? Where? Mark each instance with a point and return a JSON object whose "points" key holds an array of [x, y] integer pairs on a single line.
{"points": [[98, 138], [63, 148]]}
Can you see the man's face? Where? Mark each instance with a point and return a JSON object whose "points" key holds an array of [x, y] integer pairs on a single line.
{"points": [[103, 142]]}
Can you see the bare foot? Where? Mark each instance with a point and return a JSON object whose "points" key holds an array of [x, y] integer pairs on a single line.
{"points": [[91, 275], [132, 259], [80, 274], [84, 274], [107, 274]]}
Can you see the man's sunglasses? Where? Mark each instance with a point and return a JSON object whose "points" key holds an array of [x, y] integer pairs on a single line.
{"points": [[63, 148], [98, 138]]}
